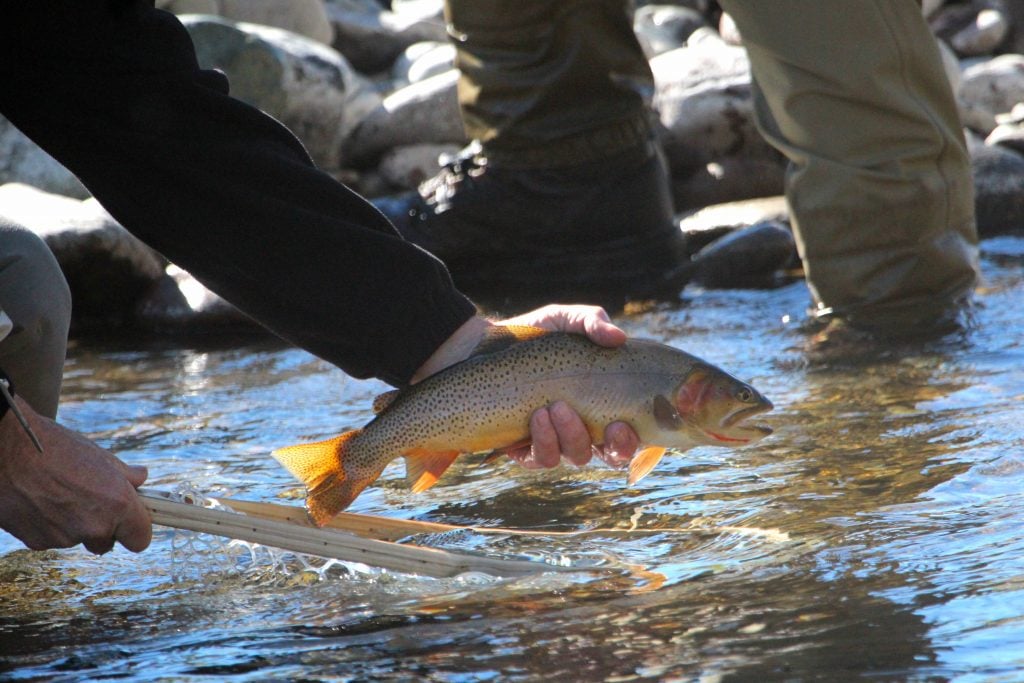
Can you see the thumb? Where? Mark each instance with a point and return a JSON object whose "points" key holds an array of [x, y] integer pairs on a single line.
{"points": [[136, 474]]}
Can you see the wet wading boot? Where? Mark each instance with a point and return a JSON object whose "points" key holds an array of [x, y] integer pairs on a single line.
{"points": [[565, 195]]}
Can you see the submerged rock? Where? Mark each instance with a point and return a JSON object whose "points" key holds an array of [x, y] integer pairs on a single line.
{"points": [[750, 257]]}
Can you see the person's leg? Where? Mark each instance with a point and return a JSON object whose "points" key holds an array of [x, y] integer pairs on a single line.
{"points": [[880, 189], [568, 193], [35, 296]]}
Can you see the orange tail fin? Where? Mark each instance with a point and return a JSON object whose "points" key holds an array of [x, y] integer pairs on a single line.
{"points": [[320, 467]]}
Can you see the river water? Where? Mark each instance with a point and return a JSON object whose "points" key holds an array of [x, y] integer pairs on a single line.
{"points": [[878, 533]]}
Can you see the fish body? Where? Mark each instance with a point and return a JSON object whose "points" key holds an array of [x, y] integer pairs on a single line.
{"points": [[670, 398]]}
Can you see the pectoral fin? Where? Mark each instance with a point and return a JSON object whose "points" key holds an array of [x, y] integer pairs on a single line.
{"points": [[423, 468], [643, 462]]}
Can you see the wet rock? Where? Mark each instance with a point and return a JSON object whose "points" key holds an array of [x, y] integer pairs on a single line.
{"points": [[989, 88], [703, 100], [23, 161], [702, 226], [1010, 130], [972, 29], [306, 85], [424, 112], [305, 17], [998, 188], [106, 267], [179, 304], [729, 179], [661, 28], [404, 168], [371, 37], [423, 60], [728, 29], [750, 257]]}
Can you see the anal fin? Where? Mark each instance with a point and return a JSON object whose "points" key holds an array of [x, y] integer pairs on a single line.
{"points": [[424, 468]]}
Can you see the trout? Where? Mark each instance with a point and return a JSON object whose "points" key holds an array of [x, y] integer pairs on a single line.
{"points": [[483, 404]]}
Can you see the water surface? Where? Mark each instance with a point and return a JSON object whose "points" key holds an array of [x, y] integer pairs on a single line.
{"points": [[878, 533]]}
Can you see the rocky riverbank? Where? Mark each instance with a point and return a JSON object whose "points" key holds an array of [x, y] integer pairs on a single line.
{"points": [[371, 93]]}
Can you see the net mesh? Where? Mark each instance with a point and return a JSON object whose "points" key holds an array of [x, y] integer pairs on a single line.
{"points": [[206, 558]]}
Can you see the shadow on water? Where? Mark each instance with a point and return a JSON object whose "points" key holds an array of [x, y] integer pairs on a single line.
{"points": [[876, 534]]}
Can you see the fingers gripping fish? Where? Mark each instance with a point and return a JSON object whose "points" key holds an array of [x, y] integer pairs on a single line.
{"points": [[670, 398]]}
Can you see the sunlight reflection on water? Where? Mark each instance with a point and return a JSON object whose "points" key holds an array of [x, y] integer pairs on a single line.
{"points": [[885, 513]]}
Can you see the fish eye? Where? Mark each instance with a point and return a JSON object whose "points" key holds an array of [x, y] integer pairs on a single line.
{"points": [[745, 394]]}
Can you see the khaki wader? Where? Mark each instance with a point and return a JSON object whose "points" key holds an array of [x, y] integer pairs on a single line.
{"points": [[854, 93], [35, 296]]}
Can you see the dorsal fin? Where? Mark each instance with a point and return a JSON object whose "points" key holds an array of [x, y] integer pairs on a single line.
{"points": [[498, 337], [382, 401]]}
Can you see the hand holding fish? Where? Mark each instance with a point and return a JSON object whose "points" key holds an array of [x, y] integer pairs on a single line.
{"points": [[556, 430], [519, 384]]}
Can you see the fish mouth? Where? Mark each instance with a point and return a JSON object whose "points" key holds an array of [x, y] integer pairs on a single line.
{"points": [[735, 431]]}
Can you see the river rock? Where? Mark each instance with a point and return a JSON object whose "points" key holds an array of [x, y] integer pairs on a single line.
{"points": [[998, 188], [426, 112], [989, 88], [728, 29], [179, 304], [729, 179], [107, 268], [305, 17], [371, 37], [422, 61], [702, 226], [750, 257], [703, 100], [304, 84], [405, 167], [661, 28], [972, 29], [23, 161]]}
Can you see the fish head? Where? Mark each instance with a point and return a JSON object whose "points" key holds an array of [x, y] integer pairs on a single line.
{"points": [[713, 408]]}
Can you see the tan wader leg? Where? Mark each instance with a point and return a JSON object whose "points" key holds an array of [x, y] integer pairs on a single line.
{"points": [[554, 81], [35, 296], [880, 189]]}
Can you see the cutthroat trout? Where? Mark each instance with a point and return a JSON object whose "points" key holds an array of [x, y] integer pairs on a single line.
{"points": [[670, 398]]}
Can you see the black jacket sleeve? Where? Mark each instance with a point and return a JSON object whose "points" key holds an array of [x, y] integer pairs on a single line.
{"points": [[113, 91]]}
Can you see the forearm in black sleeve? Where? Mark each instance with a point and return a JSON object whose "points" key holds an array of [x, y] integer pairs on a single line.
{"points": [[221, 189]]}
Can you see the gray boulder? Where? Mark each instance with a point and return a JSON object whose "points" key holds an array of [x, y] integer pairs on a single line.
{"points": [[371, 37], [304, 84], [750, 257], [729, 179], [702, 226], [661, 28], [998, 188], [703, 100], [305, 17], [107, 269], [180, 305], [989, 88], [23, 161], [426, 112]]}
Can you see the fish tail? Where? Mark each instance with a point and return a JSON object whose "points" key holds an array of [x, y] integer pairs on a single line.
{"points": [[320, 466]]}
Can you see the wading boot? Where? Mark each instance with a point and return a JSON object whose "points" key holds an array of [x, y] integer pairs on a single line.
{"points": [[599, 232], [566, 196]]}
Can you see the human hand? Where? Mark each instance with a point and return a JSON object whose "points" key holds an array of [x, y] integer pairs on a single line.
{"points": [[73, 492], [556, 430]]}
